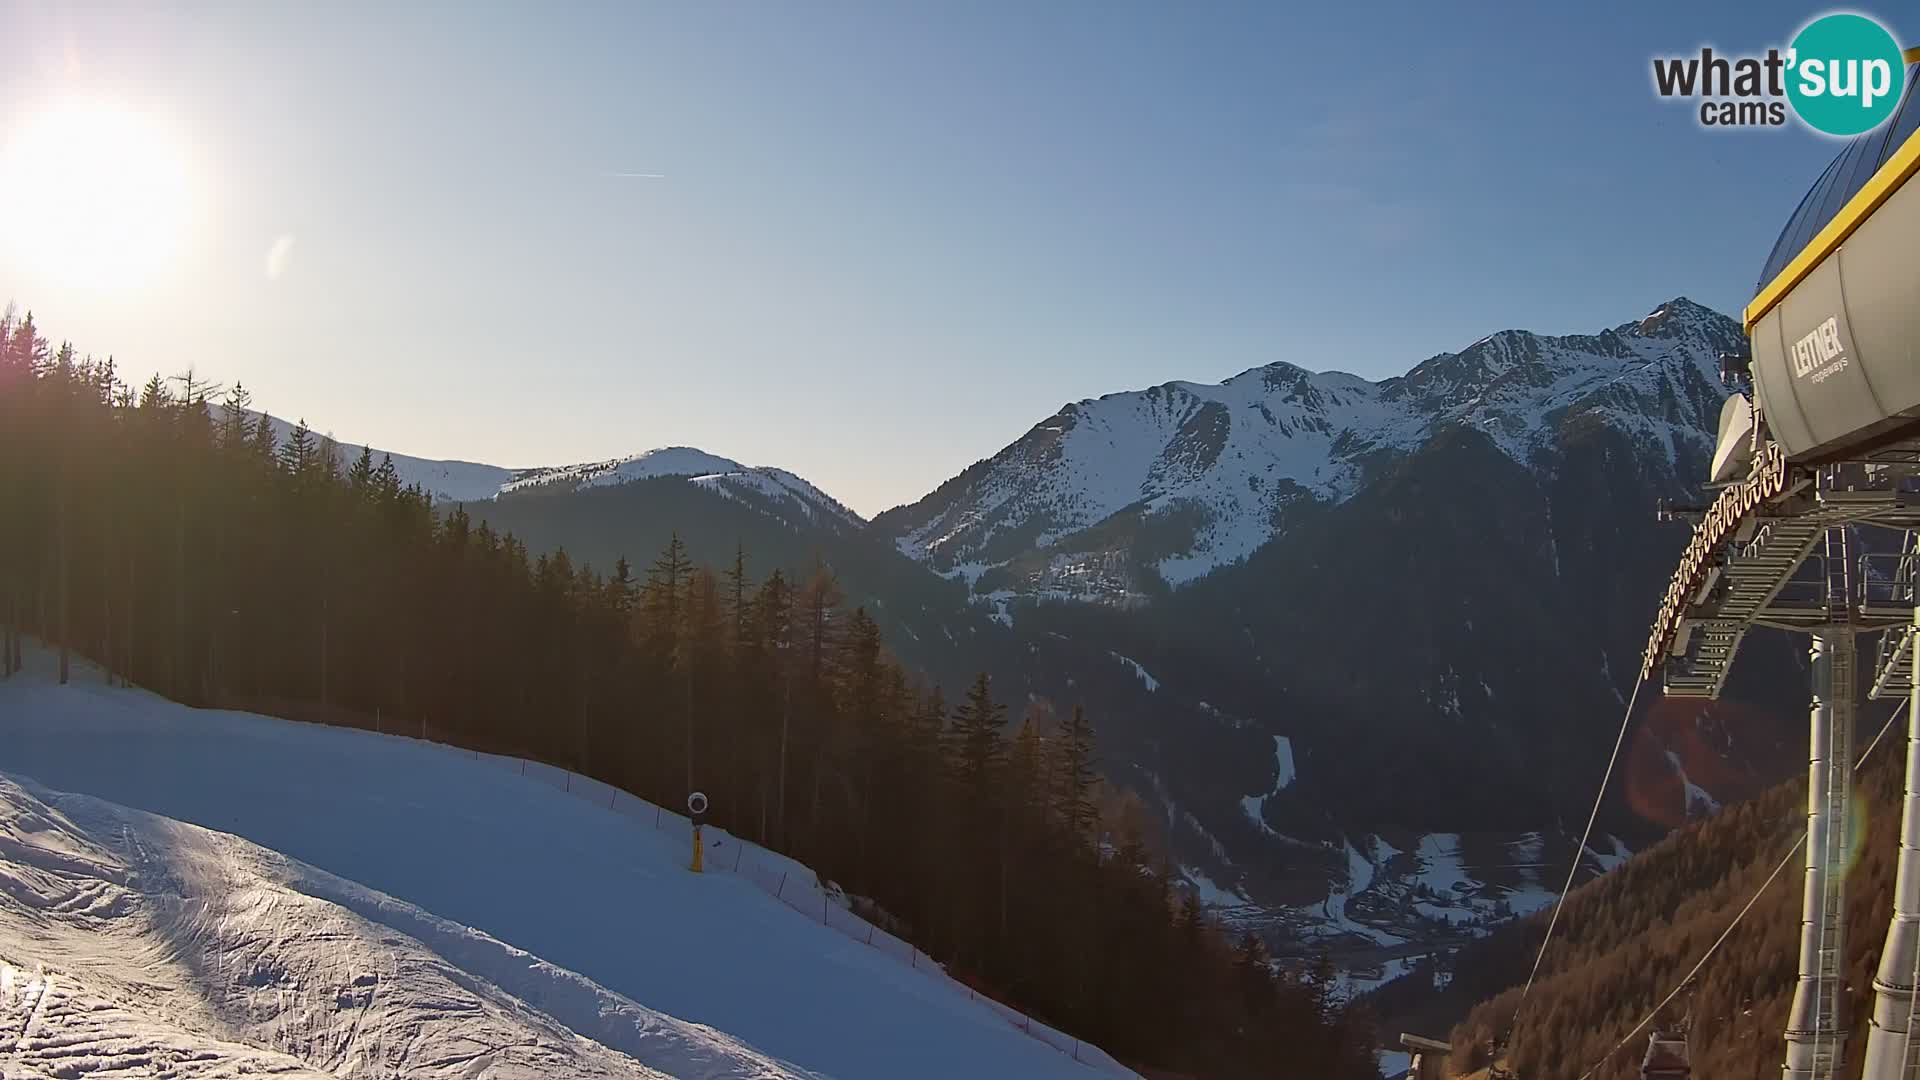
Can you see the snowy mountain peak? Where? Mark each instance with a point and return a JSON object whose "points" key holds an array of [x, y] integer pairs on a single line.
{"points": [[664, 461], [771, 489], [1174, 481], [1682, 318]]}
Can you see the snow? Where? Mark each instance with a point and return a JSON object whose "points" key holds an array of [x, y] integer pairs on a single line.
{"points": [[1452, 916], [1283, 763], [1331, 917], [1255, 809], [1529, 898], [1139, 672], [1442, 867], [1383, 852], [466, 481], [1699, 802], [781, 488], [1359, 870], [1231, 457], [1395, 1063], [665, 461], [220, 949], [1212, 895], [1362, 981], [1001, 602], [1611, 861], [622, 945], [446, 481]]}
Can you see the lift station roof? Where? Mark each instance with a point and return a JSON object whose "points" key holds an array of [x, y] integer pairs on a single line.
{"points": [[1842, 180]]}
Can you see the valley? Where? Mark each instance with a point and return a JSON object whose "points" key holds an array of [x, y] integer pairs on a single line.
{"points": [[1174, 559]]}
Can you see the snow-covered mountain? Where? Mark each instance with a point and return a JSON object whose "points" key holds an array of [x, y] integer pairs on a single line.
{"points": [[1349, 629], [764, 486], [1350, 637], [1116, 496], [446, 481], [722, 476]]}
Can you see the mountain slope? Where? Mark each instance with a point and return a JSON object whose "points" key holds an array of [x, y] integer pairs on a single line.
{"points": [[185, 937], [771, 490], [1431, 590], [1120, 496], [446, 481], [1348, 639], [1626, 940], [576, 883]]}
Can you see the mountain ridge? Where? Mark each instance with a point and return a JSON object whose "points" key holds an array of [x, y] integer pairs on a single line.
{"points": [[1120, 496], [1528, 464]]}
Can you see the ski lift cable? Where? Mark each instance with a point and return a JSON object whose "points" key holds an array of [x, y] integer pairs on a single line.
{"points": [[1779, 868], [1579, 855]]}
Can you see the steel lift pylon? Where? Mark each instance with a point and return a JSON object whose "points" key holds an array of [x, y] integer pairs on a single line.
{"points": [[1817, 465], [1787, 553]]}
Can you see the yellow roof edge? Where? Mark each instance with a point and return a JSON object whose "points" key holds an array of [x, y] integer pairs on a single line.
{"points": [[1911, 56], [1884, 182]]}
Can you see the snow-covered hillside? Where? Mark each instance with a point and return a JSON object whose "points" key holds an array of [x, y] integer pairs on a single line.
{"points": [[466, 481], [137, 940], [368, 913], [723, 476], [1186, 477], [446, 481]]}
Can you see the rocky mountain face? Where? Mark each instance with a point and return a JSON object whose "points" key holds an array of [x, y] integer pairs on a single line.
{"points": [[1117, 498], [1362, 647]]}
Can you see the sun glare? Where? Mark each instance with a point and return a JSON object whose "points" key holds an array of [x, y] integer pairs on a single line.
{"points": [[99, 195]]}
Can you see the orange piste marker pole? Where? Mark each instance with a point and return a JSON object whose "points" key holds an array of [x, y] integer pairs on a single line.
{"points": [[697, 848]]}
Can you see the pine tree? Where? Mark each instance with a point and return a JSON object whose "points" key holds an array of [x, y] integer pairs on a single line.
{"points": [[1074, 779], [341, 595], [620, 587], [296, 456], [738, 611], [978, 748], [663, 593], [233, 418], [360, 477], [263, 440]]}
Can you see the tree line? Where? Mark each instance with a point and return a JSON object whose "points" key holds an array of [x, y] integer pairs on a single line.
{"points": [[171, 536], [1629, 938]]}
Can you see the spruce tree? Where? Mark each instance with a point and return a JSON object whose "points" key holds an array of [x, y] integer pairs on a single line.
{"points": [[1074, 778]]}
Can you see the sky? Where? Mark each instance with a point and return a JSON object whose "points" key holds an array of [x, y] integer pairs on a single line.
{"points": [[868, 242]]}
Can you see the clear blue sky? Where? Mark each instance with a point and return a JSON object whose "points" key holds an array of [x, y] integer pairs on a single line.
{"points": [[884, 238]]}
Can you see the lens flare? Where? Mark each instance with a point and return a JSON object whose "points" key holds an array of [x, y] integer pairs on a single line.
{"points": [[1682, 763], [99, 194]]}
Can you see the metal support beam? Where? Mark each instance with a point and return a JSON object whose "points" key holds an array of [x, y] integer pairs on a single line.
{"points": [[1817, 1026], [1891, 1044]]}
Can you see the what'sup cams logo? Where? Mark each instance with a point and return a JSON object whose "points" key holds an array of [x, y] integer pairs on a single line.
{"points": [[1842, 75]]}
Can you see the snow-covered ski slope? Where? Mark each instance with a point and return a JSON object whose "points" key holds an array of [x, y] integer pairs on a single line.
{"points": [[693, 975], [136, 945]]}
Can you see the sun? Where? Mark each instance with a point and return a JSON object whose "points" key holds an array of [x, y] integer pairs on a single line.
{"points": [[97, 194]]}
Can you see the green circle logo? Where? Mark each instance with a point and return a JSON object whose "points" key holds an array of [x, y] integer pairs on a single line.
{"points": [[1845, 75]]}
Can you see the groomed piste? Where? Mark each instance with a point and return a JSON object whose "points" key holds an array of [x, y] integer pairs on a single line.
{"points": [[553, 915]]}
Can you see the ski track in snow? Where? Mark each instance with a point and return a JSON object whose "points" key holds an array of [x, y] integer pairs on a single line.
{"points": [[626, 953], [195, 950]]}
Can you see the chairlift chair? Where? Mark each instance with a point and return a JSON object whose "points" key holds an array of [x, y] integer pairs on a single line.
{"points": [[1667, 1058]]}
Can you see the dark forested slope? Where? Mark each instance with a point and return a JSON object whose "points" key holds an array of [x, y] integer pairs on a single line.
{"points": [[1627, 939]]}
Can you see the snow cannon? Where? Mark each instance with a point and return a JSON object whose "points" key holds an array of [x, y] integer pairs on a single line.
{"points": [[697, 816]]}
